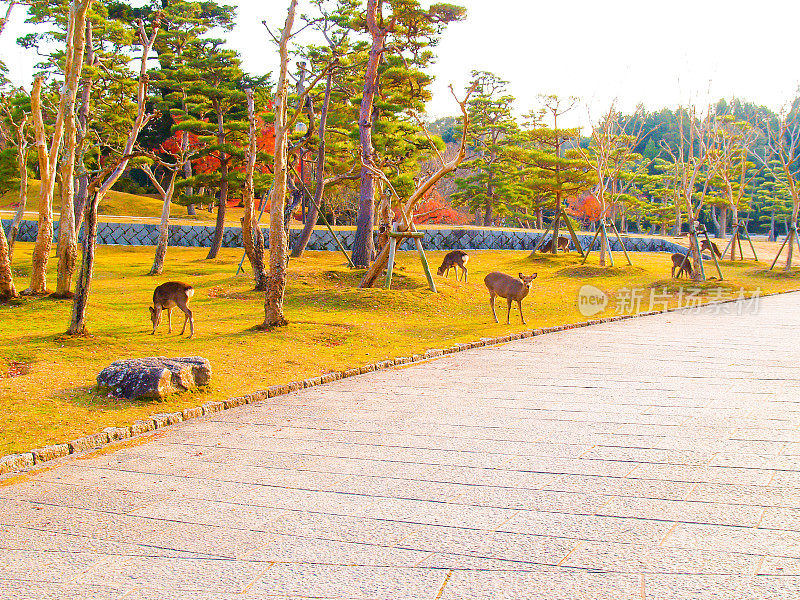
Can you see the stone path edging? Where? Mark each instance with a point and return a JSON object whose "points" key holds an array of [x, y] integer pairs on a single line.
{"points": [[26, 460]]}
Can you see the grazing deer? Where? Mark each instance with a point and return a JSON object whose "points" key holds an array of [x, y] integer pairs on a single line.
{"points": [[563, 244], [683, 263], [710, 246], [510, 288], [454, 260], [167, 296]]}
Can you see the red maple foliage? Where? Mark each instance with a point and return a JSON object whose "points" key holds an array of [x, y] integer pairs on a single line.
{"points": [[265, 142], [584, 207], [435, 209]]}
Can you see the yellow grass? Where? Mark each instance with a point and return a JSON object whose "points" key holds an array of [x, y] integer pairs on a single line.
{"points": [[333, 325]]}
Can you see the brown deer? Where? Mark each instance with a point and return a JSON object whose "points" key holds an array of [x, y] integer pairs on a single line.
{"points": [[510, 288], [563, 244], [710, 247], [454, 260], [167, 296], [682, 263]]}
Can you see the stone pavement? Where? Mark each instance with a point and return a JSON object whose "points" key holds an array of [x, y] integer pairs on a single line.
{"points": [[656, 458]]}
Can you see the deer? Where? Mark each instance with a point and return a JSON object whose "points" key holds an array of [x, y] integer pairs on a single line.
{"points": [[167, 296], [710, 246], [563, 244], [682, 263], [510, 288], [454, 260]]}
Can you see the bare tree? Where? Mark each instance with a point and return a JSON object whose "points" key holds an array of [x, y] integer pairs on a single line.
{"points": [[690, 159], [613, 141], [48, 160], [163, 225], [278, 237], [103, 182], [407, 209], [273, 303], [731, 142], [781, 160]]}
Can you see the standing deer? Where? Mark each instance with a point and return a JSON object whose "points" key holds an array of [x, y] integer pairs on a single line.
{"points": [[710, 246], [510, 288], [682, 263], [563, 244], [167, 296], [454, 260]]}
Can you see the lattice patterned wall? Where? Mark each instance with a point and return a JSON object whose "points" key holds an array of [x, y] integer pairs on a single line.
{"points": [[140, 234]]}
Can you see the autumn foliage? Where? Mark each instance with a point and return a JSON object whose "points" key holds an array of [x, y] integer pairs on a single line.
{"points": [[436, 210], [584, 207]]}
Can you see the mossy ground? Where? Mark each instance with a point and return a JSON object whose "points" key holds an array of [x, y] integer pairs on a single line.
{"points": [[333, 325]]}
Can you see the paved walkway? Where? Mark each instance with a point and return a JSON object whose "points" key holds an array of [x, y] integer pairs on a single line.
{"points": [[656, 458]]}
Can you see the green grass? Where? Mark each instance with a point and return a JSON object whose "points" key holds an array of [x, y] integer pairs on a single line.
{"points": [[332, 325]]}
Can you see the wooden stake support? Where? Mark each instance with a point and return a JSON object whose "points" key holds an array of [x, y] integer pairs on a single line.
{"points": [[739, 231], [603, 228], [792, 237], [397, 237], [560, 215]]}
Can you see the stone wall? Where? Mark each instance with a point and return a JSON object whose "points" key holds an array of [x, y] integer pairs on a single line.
{"points": [[143, 234]]}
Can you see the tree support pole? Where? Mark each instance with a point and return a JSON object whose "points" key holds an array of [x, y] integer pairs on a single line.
{"points": [[541, 239], [572, 233], [713, 256], [390, 264], [397, 237], [591, 245], [621, 243], [786, 239]]}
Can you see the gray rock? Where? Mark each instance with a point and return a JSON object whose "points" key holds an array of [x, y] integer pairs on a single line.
{"points": [[154, 377]]}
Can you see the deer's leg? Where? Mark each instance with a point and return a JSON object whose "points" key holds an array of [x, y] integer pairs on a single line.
{"points": [[169, 320], [464, 278], [508, 316], [520, 312], [190, 318], [491, 303]]}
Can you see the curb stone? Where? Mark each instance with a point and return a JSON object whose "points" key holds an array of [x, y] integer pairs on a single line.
{"points": [[26, 460]]}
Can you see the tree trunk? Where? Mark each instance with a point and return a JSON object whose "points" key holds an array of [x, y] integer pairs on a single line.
{"points": [[82, 188], [722, 230], [67, 236], [84, 282], [363, 245], [676, 230], [7, 289], [219, 229], [163, 228], [254, 251], [44, 237], [273, 301], [539, 219], [22, 163], [80, 302], [771, 235], [313, 210]]}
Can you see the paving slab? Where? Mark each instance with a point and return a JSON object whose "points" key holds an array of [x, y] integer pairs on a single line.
{"points": [[650, 459]]}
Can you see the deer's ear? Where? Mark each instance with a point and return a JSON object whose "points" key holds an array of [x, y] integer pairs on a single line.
{"points": [[521, 276], [534, 276], [152, 310]]}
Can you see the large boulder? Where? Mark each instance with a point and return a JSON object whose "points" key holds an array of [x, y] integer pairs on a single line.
{"points": [[154, 377]]}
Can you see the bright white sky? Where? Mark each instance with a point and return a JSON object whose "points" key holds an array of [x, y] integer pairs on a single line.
{"points": [[658, 53]]}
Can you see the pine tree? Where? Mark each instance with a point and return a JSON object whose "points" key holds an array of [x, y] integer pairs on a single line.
{"points": [[552, 168], [492, 176], [401, 33], [217, 113]]}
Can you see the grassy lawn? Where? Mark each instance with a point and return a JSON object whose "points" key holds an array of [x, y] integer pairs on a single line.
{"points": [[333, 325]]}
